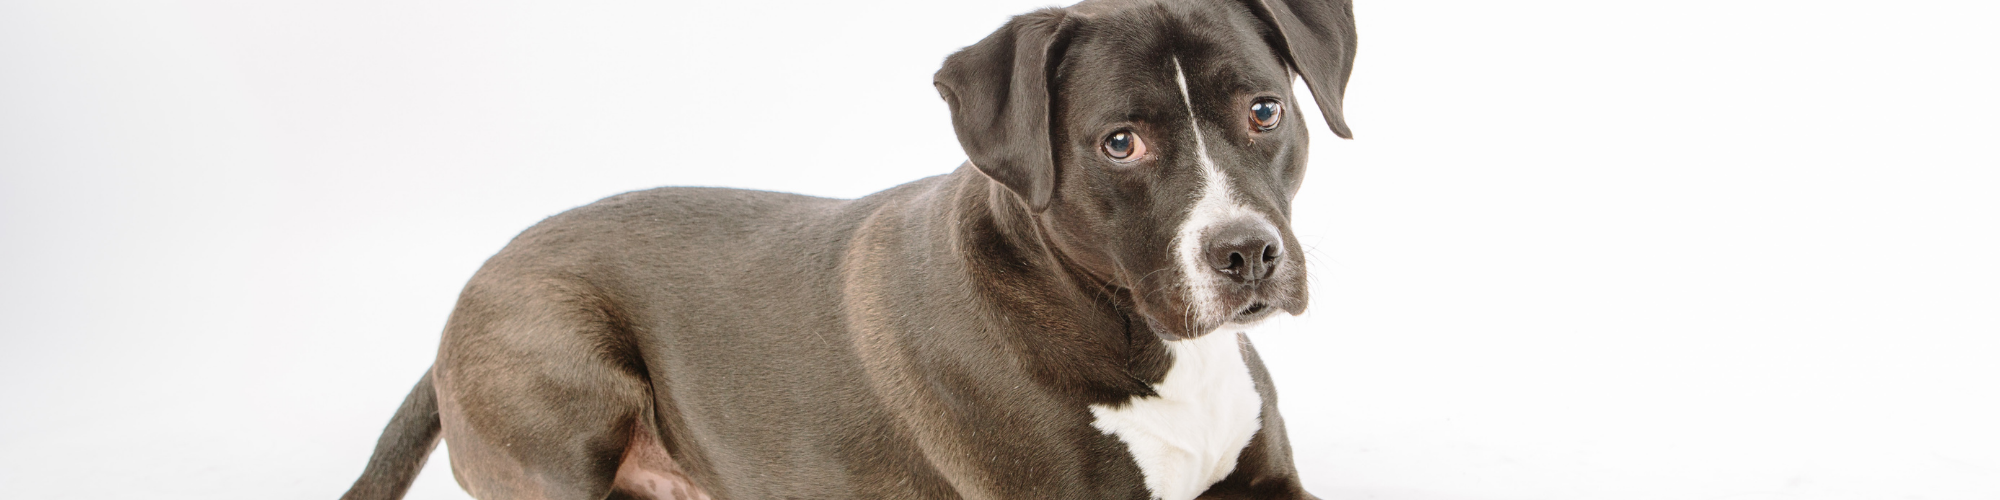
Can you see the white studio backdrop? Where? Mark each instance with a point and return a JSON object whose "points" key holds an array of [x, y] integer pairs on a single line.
{"points": [[1580, 250]]}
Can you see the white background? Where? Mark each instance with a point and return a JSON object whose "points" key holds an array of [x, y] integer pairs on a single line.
{"points": [[1579, 250]]}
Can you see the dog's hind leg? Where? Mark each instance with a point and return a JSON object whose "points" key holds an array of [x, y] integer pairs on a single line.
{"points": [[540, 392], [647, 472]]}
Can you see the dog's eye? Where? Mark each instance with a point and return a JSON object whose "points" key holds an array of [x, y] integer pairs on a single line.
{"points": [[1123, 145], [1264, 113]]}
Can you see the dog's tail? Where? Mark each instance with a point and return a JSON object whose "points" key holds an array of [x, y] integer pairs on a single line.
{"points": [[403, 448]]}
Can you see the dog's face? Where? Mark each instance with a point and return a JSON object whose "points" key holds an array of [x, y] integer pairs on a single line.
{"points": [[1177, 164], [1173, 143]]}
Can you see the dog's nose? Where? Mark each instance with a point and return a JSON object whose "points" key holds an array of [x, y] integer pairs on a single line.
{"points": [[1246, 250]]}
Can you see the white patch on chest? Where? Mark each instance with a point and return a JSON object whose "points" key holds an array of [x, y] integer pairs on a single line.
{"points": [[1188, 437]]}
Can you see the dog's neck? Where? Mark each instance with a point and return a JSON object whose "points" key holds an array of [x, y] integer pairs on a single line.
{"points": [[1069, 312], [999, 231]]}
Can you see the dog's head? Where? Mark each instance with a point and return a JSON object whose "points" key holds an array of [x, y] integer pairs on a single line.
{"points": [[1158, 142]]}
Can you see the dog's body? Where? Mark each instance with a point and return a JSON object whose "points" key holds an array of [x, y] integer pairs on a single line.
{"points": [[1051, 320]]}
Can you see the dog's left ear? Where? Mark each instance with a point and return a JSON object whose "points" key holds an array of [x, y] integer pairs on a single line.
{"points": [[998, 90], [1317, 38]]}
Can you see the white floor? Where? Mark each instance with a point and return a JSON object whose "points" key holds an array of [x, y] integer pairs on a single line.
{"points": [[1580, 250]]}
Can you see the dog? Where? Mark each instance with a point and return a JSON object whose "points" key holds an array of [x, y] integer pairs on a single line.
{"points": [[1060, 317]]}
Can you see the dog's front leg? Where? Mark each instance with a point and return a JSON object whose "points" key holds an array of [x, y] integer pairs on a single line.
{"points": [[1264, 470]]}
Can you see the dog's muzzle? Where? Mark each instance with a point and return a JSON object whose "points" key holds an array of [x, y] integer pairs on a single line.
{"points": [[1245, 250], [1245, 253]]}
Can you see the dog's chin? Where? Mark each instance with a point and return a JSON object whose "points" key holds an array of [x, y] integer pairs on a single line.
{"points": [[1165, 328], [1251, 314], [1242, 315]]}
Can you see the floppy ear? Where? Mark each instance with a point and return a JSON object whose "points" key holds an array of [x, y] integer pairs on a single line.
{"points": [[998, 90], [1317, 38]]}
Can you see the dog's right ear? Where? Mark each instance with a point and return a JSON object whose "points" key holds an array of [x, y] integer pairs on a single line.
{"points": [[998, 90], [1317, 39]]}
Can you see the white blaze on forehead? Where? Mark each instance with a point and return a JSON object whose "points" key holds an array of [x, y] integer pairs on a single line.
{"points": [[1217, 204]]}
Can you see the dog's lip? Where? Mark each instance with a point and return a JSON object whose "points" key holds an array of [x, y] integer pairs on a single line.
{"points": [[1245, 307], [1250, 313], [1253, 311]]}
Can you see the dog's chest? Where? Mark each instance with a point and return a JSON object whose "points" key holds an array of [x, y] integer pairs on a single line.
{"points": [[1188, 437]]}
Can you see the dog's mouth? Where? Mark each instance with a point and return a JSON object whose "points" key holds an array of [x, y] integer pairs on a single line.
{"points": [[1256, 310], [1251, 313], [1182, 312], [1246, 315]]}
